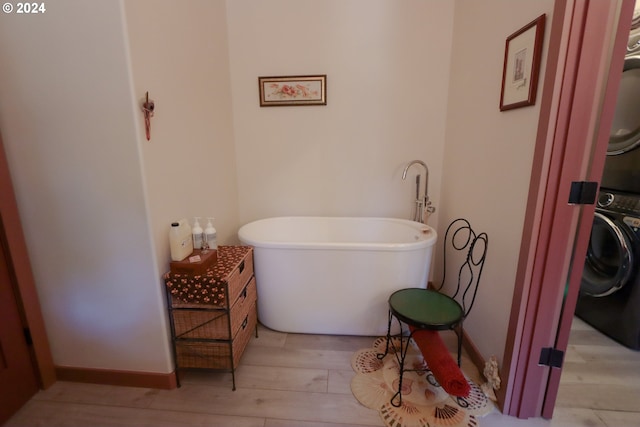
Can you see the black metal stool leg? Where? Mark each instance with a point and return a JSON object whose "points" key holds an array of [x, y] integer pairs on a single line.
{"points": [[396, 400], [386, 350], [458, 331], [400, 355]]}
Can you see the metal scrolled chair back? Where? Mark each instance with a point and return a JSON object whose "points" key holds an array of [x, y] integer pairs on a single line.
{"points": [[460, 237]]}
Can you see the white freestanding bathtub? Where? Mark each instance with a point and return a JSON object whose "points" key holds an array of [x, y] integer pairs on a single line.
{"points": [[334, 275]]}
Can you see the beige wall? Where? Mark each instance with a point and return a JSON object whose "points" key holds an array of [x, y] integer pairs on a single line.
{"points": [[387, 64], [488, 154], [394, 81], [68, 124], [179, 55], [96, 198]]}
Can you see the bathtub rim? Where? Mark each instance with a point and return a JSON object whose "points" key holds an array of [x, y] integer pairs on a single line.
{"points": [[420, 244]]}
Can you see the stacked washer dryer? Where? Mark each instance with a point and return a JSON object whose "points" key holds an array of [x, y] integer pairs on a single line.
{"points": [[609, 297]]}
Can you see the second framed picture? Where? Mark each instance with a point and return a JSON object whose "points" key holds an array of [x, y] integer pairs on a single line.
{"points": [[522, 55]]}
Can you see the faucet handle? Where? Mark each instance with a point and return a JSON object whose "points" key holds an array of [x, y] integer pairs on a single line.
{"points": [[428, 207]]}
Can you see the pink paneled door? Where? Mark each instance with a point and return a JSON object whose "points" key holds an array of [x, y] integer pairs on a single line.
{"points": [[597, 33], [578, 103]]}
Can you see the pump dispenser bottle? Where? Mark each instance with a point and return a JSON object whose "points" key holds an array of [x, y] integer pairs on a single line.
{"points": [[196, 232], [212, 236]]}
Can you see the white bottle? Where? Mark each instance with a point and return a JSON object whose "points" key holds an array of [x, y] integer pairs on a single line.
{"points": [[210, 233], [196, 232], [180, 240]]}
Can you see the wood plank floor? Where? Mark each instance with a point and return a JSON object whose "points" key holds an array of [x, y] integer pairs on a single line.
{"points": [[292, 380]]}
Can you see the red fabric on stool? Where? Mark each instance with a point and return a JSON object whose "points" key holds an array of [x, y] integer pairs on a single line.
{"points": [[442, 365]]}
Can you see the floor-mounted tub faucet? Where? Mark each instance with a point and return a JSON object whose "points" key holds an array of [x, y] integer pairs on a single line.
{"points": [[423, 206]]}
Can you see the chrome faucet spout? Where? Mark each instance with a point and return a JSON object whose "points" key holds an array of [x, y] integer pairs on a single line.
{"points": [[425, 203], [426, 176]]}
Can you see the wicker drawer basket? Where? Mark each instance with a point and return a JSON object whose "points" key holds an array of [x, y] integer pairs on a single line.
{"points": [[214, 324], [217, 355], [218, 287], [239, 277]]}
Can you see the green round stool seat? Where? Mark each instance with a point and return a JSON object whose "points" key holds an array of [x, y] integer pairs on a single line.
{"points": [[425, 308]]}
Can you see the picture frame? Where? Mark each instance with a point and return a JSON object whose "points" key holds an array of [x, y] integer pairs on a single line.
{"points": [[282, 91], [522, 54]]}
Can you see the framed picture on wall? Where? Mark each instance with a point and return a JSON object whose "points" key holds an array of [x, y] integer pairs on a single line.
{"points": [[521, 69], [280, 91]]}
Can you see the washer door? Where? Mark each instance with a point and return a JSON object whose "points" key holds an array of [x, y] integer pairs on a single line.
{"points": [[609, 260], [625, 131]]}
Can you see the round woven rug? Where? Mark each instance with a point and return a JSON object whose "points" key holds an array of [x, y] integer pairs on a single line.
{"points": [[424, 402]]}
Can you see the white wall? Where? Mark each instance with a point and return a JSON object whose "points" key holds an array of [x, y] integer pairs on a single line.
{"points": [[67, 120], [403, 83], [95, 197], [387, 66], [179, 55], [489, 154]]}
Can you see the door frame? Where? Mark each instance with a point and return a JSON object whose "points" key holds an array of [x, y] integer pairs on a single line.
{"points": [[578, 103], [20, 266], [18, 380], [617, 33]]}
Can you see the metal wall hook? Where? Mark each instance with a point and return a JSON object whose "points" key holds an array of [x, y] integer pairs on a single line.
{"points": [[148, 107]]}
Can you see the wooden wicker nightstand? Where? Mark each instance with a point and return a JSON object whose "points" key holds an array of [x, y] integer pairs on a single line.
{"points": [[213, 314]]}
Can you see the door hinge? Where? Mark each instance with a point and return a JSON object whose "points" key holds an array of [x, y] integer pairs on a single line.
{"points": [[583, 193], [27, 336], [551, 357]]}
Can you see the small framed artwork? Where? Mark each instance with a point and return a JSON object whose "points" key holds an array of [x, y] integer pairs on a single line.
{"points": [[522, 65], [293, 90]]}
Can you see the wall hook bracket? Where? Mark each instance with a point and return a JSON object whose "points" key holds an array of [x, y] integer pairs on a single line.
{"points": [[148, 107]]}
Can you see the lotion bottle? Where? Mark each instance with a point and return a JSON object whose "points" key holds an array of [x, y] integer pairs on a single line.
{"points": [[196, 232], [212, 236]]}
